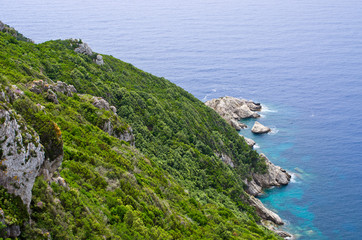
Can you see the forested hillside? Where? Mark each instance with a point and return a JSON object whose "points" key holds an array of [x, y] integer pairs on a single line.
{"points": [[127, 155]]}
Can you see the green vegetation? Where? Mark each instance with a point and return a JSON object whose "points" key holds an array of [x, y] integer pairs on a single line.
{"points": [[172, 185]]}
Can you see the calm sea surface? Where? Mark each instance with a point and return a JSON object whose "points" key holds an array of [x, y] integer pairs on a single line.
{"points": [[301, 58]]}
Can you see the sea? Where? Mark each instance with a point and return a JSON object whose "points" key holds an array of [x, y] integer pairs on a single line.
{"points": [[301, 59]]}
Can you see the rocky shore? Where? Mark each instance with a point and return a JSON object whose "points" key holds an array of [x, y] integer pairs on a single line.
{"points": [[232, 110]]}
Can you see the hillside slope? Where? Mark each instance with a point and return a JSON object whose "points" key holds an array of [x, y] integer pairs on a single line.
{"points": [[88, 180]]}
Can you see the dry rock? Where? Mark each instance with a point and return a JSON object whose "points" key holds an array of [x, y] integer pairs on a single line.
{"points": [[259, 128], [83, 48], [22, 155], [233, 109], [99, 60]]}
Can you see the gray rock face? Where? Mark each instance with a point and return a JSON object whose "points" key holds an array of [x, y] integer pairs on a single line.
{"points": [[100, 103], [83, 48], [259, 128], [61, 87], [233, 109], [39, 86], [99, 60], [127, 136], [263, 212], [275, 176], [226, 159], [249, 141], [22, 155], [114, 109], [13, 93], [51, 96], [109, 125]]}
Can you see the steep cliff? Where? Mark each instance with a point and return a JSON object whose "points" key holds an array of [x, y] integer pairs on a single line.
{"points": [[121, 154]]}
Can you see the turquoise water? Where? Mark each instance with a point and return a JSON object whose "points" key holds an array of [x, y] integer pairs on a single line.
{"points": [[301, 58]]}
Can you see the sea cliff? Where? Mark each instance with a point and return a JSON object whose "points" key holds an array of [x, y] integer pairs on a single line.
{"points": [[94, 148], [232, 110]]}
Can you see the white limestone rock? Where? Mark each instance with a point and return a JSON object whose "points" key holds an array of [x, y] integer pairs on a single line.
{"points": [[83, 48], [263, 212], [99, 60], [249, 141], [233, 109], [22, 155], [259, 128]]}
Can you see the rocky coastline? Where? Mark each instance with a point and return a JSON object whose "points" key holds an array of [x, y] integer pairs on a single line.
{"points": [[232, 110]]}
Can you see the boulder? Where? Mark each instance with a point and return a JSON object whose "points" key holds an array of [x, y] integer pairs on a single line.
{"points": [[83, 48], [99, 60], [259, 128]]}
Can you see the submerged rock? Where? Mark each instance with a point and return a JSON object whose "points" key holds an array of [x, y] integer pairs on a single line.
{"points": [[233, 109], [259, 128]]}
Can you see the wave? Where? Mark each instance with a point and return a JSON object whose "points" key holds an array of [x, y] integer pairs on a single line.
{"points": [[205, 98], [265, 108], [273, 131], [293, 178], [256, 146]]}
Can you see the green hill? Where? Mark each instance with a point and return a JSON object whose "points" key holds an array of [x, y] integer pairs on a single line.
{"points": [[171, 185]]}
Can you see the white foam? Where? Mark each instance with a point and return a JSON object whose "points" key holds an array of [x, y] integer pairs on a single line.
{"points": [[294, 177], [256, 146], [266, 109], [273, 131]]}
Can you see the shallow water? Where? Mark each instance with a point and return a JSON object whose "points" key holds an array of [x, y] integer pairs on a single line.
{"points": [[301, 59]]}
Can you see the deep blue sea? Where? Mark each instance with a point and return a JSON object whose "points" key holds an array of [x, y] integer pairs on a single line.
{"points": [[302, 59]]}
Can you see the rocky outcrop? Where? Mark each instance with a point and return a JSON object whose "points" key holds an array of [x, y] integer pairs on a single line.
{"points": [[233, 109], [259, 128], [101, 103], [22, 155], [249, 141], [99, 60], [7, 29], [275, 228], [225, 158], [112, 125], [83, 48], [39, 86], [13, 93], [263, 212], [275, 176]]}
